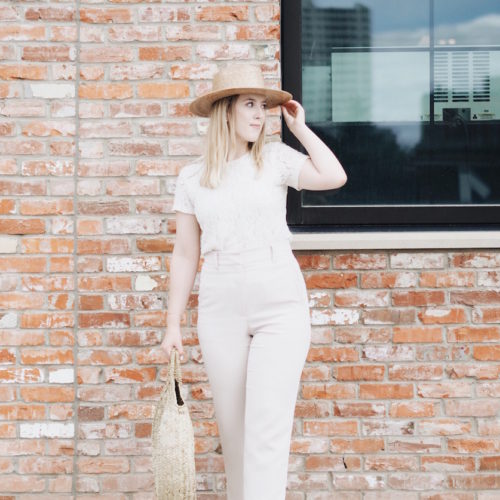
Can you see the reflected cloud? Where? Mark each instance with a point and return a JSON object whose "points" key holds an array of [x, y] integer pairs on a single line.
{"points": [[479, 31]]}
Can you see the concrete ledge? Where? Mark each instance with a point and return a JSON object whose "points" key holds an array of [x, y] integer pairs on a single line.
{"points": [[396, 240]]}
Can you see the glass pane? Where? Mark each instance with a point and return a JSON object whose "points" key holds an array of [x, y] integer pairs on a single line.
{"points": [[367, 73], [380, 86], [366, 23], [466, 22]]}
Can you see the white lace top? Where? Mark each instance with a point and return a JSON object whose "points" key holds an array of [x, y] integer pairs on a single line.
{"points": [[245, 210]]}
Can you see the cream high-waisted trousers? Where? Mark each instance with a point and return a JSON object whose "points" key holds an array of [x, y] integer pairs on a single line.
{"points": [[254, 333]]}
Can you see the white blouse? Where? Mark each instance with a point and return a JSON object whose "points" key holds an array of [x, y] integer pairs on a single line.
{"points": [[245, 210]]}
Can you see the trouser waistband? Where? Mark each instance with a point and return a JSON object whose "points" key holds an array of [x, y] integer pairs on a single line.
{"points": [[267, 253]]}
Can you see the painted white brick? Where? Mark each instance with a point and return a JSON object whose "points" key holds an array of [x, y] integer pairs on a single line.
{"points": [[52, 90], [8, 244], [62, 376], [145, 283], [47, 429], [8, 320], [335, 317], [133, 225], [133, 264]]}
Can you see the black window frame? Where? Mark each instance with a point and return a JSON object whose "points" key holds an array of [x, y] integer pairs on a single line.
{"points": [[363, 217]]}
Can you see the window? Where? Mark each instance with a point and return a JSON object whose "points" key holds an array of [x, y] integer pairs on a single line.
{"points": [[407, 95]]}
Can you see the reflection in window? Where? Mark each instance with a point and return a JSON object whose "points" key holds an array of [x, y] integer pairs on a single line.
{"points": [[407, 93], [371, 86]]}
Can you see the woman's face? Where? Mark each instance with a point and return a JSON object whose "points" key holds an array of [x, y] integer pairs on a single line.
{"points": [[249, 117]]}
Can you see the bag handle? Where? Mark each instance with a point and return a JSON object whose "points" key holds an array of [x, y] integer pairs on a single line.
{"points": [[174, 374]]}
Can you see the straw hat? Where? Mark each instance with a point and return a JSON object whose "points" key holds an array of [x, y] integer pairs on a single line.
{"points": [[238, 79]]}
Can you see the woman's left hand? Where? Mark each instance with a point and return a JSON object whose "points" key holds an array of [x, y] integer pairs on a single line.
{"points": [[294, 114]]}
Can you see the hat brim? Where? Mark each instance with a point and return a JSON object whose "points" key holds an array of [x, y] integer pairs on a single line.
{"points": [[201, 106]]}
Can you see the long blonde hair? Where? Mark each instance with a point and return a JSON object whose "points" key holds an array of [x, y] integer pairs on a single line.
{"points": [[219, 138]]}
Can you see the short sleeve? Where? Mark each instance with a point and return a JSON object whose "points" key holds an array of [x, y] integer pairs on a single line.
{"points": [[182, 201], [289, 162]]}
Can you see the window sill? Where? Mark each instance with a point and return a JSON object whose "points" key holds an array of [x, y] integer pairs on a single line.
{"points": [[396, 240]]}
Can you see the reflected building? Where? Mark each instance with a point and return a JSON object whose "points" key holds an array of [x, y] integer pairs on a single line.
{"points": [[322, 30]]}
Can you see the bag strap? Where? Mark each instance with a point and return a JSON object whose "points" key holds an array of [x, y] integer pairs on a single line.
{"points": [[174, 369]]}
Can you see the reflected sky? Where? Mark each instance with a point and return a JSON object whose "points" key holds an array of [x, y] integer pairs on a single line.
{"points": [[406, 22]]}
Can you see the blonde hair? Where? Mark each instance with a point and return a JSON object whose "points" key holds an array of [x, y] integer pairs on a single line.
{"points": [[219, 139]]}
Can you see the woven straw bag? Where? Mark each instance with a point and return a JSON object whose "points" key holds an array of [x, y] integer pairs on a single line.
{"points": [[173, 440]]}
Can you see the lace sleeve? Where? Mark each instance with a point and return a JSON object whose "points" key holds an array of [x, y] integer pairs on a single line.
{"points": [[289, 162], [182, 201]]}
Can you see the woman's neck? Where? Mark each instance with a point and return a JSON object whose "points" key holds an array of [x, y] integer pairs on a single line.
{"points": [[238, 152]]}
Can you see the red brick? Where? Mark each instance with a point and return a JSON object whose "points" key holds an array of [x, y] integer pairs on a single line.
{"points": [[155, 245], [391, 463], [415, 372], [267, 13], [104, 320], [474, 334], [22, 32], [412, 409], [486, 352], [172, 53], [474, 482], [366, 372], [363, 446], [114, 246], [22, 71], [100, 16], [472, 445], [417, 334], [476, 259], [443, 315], [486, 315], [465, 464], [362, 298], [478, 297], [192, 32], [418, 298], [332, 354], [47, 394], [478, 371], [385, 391], [88, 302], [47, 245], [224, 13], [330, 428], [446, 279], [331, 280], [388, 280], [48, 53], [50, 14], [360, 261], [22, 226], [328, 391], [105, 91], [46, 207], [23, 264], [253, 32], [363, 409], [46, 356], [489, 463]]}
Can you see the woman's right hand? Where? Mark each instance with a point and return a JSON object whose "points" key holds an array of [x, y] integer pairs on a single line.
{"points": [[173, 339]]}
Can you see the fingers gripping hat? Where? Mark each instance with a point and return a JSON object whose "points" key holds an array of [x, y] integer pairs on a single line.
{"points": [[238, 79]]}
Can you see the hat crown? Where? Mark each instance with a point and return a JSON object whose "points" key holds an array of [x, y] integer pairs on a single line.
{"points": [[237, 76], [238, 79]]}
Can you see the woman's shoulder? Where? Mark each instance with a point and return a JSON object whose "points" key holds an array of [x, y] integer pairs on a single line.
{"points": [[192, 169], [277, 149]]}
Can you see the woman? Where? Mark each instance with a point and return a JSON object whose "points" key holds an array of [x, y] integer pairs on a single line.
{"points": [[253, 315]]}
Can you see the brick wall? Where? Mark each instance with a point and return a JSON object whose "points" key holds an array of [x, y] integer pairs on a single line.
{"points": [[400, 394]]}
